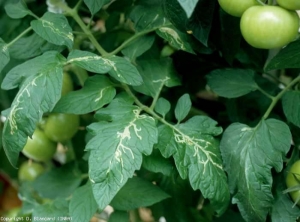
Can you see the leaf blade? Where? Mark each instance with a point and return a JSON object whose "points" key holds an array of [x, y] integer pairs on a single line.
{"points": [[54, 28]]}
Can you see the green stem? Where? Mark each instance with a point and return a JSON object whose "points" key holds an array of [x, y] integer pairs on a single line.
{"points": [[260, 2], [74, 14], [270, 2], [157, 95], [19, 36], [265, 93], [129, 40], [278, 97], [76, 8]]}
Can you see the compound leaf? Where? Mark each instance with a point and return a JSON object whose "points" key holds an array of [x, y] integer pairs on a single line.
{"points": [[249, 154], [54, 28], [117, 147], [232, 83], [197, 157], [96, 92]]}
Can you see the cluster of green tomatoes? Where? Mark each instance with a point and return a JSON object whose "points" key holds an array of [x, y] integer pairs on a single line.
{"points": [[263, 25], [55, 128]]}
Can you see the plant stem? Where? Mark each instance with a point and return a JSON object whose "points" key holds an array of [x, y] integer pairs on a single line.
{"points": [[265, 93], [260, 2], [270, 2], [157, 95], [74, 14], [18, 37], [278, 97]]}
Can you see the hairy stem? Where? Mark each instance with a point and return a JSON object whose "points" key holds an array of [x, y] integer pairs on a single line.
{"points": [[279, 96]]}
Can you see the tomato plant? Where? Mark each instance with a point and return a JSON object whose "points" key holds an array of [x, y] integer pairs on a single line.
{"points": [[269, 27], [236, 7], [161, 110]]}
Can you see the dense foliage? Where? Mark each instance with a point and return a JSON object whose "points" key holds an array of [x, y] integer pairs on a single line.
{"points": [[154, 110]]}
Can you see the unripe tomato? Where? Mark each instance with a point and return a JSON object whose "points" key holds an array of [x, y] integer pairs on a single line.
{"points": [[269, 27], [29, 170], [289, 4], [236, 7], [39, 148], [61, 127], [67, 84], [291, 181]]}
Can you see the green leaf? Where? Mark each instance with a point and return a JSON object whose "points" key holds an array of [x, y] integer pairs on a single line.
{"points": [[249, 154], [148, 15], [123, 71], [31, 46], [54, 28], [4, 55], [97, 92], [47, 61], [90, 61], [40, 81], [291, 106], [232, 83], [17, 10], [188, 6], [183, 107], [288, 57], [58, 182], [201, 21], [179, 40], [158, 164], [138, 47], [162, 106], [197, 157], [117, 147], [137, 193], [119, 216], [57, 211], [83, 205], [156, 74], [95, 5]]}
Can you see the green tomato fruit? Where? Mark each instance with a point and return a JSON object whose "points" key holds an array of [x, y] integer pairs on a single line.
{"points": [[269, 27], [39, 148], [67, 84], [236, 7], [29, 170], [61, 127], [291, 181], [289, 4]]}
